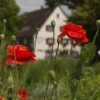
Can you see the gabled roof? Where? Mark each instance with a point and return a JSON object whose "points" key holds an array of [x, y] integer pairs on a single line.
{"points": [[34, 19]]}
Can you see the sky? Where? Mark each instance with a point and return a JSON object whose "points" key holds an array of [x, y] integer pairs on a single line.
{"points": [[29, 5]]}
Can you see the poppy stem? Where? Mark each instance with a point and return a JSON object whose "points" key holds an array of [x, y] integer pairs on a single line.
{"points": [[56, 55], [66, 71], [46, 89], [52, 49], [52, 93], [94, 40], [51, 62], [16, 71]]}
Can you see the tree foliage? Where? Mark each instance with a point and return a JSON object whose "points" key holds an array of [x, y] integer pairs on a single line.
{"points": [[9, 11], [87, 14], [70, 3]]}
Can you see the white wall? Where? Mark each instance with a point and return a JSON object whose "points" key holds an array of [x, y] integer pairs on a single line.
{"points": [[41, 45]]}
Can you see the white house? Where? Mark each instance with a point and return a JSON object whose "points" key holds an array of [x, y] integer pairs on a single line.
{"points": [[42, 18]]}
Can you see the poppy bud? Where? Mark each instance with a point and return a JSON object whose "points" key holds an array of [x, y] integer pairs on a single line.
{"points": [[13, 37], [2, 36], [53, 23], [55, 84], [98, 23], [4, 20], [52, 74], [10, 79], [58, 40]]}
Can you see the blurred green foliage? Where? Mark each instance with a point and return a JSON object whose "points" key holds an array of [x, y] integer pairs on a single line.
{"points": [[9, 17], [84, 78]]}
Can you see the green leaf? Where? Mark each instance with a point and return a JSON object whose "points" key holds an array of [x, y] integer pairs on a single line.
{"points": [[89, 53]]}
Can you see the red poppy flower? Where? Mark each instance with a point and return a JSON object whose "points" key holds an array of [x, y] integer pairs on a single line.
{"points": [[1, 98], [22, 93], [21, 53], [74, 31]]}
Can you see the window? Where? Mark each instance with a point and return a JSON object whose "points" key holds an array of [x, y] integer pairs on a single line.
{"points": [[64, 42], [49, 28], [48, 54], [63, 53], [74, 54], [50, 41], [70, 41]]}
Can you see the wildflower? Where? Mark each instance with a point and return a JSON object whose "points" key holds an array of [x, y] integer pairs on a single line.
{"points": [[21, 53], [2, 98], [74, 31], [22, 93]]}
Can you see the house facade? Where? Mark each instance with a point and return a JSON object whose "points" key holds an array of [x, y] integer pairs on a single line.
{"points": [[45, 35]]}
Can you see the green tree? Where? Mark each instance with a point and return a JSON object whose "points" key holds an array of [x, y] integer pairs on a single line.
{"points": [[70, 3], [87, 14], [9, 11]]}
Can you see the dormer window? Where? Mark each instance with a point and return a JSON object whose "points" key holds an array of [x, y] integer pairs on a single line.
{"points": [[49, 28], [49, 41]]}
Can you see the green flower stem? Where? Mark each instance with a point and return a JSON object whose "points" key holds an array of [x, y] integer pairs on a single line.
{"points": [[4, 28], [56, 53], [97, 90], [52, 49], [55, 72], [56, 96], [56, 56], [67, 73], [95, 36], [51, 62], [52, 93], [72, 96], [1, 54], [47, 86], [16, 73]]}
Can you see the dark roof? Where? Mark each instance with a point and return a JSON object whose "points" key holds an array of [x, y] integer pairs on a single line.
{"points": [[33, 20]]}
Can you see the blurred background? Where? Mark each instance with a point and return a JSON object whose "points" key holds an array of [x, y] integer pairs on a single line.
{"points": [[26, 18], [17, 13]]}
